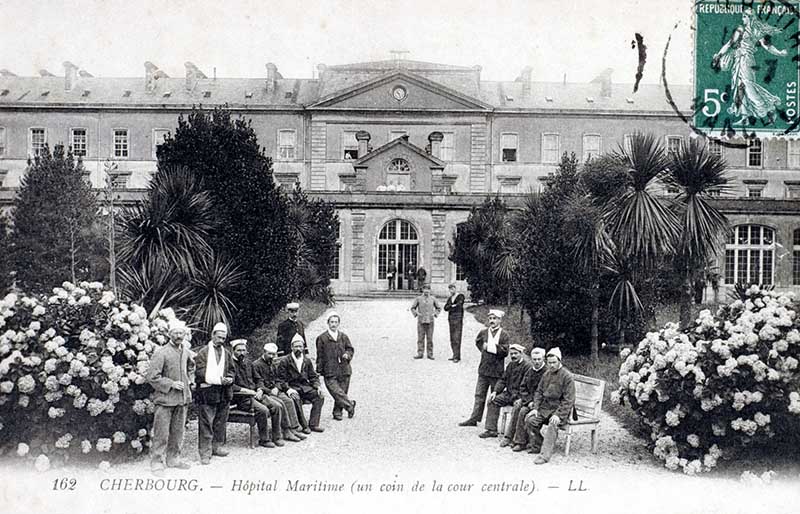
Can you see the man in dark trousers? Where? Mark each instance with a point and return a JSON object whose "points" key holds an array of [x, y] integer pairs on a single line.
{"points": [[334, 354], [288, 328], [247, 395], [516, 432], [422, 277], [455, 317], [265, 370], [411, 273], [493, 343], [214, 377], [507, 389], [391, 274], [425, 308], [297, 370], [552, 406]]}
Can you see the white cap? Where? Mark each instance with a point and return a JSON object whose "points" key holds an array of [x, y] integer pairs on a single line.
{"points": [[220, 327], [292, 306], [237, 342], [497, 312], [271, 347], [554, 352], [298, 337], [332, 314], [177, 324], [537, 352], [518, 347]]}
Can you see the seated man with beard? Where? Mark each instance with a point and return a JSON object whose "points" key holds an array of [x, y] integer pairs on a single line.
{"points": [[265, 371], [515, 429], [507, 389], [247, 396], [297, 370]]}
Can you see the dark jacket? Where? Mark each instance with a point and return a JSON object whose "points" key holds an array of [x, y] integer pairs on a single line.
{"points": [[286, 331], [529, 383], [511, 381], [266, 375], [296, 379], [455, 308], [492, 364], [207, 394], [243, 377], [421, 275], [555, 394], [333, 357]]}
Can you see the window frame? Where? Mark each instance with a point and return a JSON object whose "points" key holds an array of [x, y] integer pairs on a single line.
{"points": [[583, 145], [114, 154], [31, 151], [502, 148], [344, 148], [279, 147], [335, 269], [749, 152], [85, 143], [673, 137], [155, 145], [734, 249], [558, 147], [789, 144], [452, 148], [796, 257], [714, 147]]}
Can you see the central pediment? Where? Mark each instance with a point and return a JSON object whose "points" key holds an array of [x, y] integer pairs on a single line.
{"points": [[400, 90]]}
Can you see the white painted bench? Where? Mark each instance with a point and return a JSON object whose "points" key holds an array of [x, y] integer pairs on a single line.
{"points": [[588, 402]]}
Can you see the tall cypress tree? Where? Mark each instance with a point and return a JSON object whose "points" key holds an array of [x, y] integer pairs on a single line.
{"points": [[54, 236], [252, 215]]}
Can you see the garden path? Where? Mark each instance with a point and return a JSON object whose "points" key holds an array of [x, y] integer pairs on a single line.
{"points": [[405, 429]]}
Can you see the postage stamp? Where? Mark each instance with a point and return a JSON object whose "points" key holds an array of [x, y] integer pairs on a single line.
{"points": [[747, 67]]}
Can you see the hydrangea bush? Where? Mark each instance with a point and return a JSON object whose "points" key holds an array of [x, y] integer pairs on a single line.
{"points": [[72, 369], [728, 381]]}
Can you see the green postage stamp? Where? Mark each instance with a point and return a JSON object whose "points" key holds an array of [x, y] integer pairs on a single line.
{"points": [[747, 61]]}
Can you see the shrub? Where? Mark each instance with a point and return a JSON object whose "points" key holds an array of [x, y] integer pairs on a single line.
{"points": [[726, 382], [72, 371]]}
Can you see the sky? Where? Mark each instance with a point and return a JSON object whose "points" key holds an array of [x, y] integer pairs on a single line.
{"points": [[579, 38]]}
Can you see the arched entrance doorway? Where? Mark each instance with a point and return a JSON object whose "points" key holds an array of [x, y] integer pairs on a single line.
{"points": [[398, 242]]}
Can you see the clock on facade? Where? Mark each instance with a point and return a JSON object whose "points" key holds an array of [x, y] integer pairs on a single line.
{"points": [[399, 93]]}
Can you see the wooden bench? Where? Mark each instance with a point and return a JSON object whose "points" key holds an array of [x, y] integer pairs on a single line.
{"points": [[588, 402], [248, 417]]}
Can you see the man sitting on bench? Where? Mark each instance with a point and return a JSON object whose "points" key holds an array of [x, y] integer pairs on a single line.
{"points": [[507, 389], [246, 396], [297, 370], [265, 371], [552, 404]]}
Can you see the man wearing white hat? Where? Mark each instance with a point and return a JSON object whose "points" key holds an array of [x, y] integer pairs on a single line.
{"points": [[265, 370], [334, 354], [214, 376], [516, 432], [170, 373], [552, 406], [493, 343], [507, 389], [287, 330], [297, 370]]}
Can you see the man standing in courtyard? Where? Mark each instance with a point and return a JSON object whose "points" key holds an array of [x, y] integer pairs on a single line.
{"points": [[425, 308], [391, 274], [288, 328], [411, 273], [493, 343], [214, 377], [334, 354], [297, 370], [170, 374], [507, 389], [552, 406], [516, 432], [422, 277], [455, 318]]}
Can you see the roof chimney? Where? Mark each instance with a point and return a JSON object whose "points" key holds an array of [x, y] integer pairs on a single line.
{"points": [[604, 79], [193, 73], [272, 77], [150, 70], [44, 73], [321, 70], [363, 137], [435, 139], [70, 75], [525, 78], [5, 73]]}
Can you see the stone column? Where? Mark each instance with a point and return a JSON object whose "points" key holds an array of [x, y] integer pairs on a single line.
{"points": [[358, 255]]}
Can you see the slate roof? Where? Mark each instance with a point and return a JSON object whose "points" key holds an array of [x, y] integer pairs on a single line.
{"points": [[298, 93]]}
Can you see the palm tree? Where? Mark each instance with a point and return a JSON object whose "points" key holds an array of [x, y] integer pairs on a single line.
{"points": [[698, 173]]}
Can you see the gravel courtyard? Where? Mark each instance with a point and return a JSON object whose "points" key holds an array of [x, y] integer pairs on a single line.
{"points": [[405, 430]]}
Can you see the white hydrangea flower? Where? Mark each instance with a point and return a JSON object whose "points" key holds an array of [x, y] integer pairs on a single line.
{"points": [[23, 449]]}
